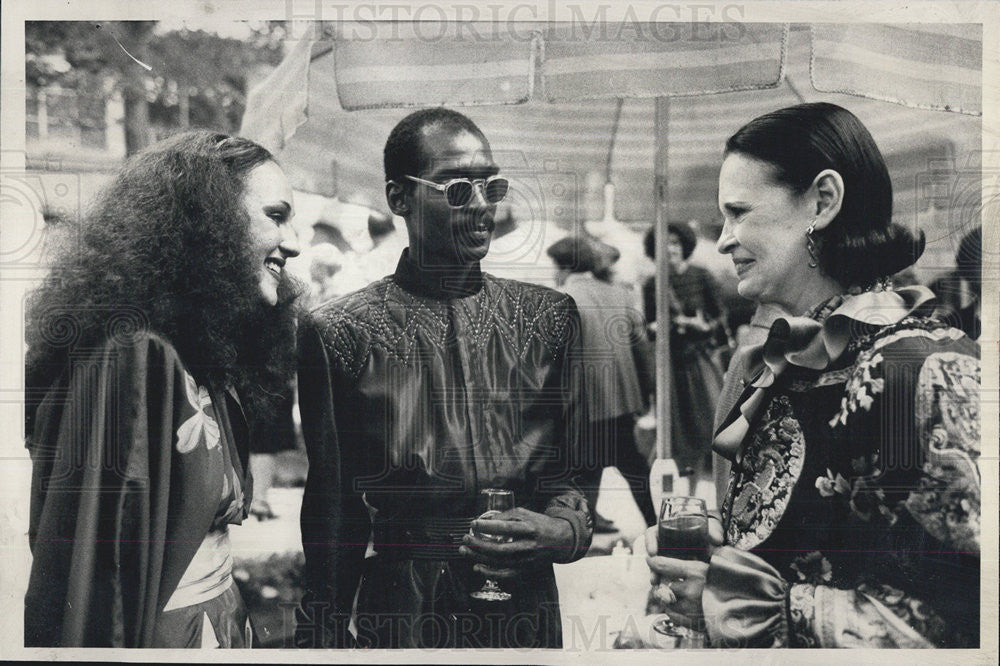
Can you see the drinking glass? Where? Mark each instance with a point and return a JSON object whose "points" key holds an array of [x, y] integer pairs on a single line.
{"points": [[682, 533], [683, 529], [496, 501]]}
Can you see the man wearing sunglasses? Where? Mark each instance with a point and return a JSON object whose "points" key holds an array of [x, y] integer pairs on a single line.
{"points": [[418, 392]]}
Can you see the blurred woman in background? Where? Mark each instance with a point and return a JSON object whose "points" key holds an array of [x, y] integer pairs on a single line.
{"points": [[158, 344], [853, 512], [619, 369], [697, 330]]}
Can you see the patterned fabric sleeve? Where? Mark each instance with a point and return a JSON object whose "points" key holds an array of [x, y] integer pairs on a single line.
{"points": [[912, 502], [562, 487], [748, 604], [915, 393], [947, 501]]}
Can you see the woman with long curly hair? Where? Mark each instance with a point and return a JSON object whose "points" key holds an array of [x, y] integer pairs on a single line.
{"points": [[158, 343]]}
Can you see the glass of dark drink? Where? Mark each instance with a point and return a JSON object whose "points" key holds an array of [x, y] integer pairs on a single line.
{"points": [[496, 501], [683, 529], [682, 534]]}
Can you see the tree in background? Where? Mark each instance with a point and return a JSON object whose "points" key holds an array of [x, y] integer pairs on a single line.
{"points": [[195, 78]]}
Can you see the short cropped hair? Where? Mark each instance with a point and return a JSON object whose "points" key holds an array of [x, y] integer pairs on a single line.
{"points": [[861, 245], [404, 151], [573, 253]]}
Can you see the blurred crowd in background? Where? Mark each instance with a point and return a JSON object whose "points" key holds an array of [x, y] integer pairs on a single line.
{"points": [[88, 107]]}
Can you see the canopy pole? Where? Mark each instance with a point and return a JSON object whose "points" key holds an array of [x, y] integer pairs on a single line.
{"points": [[663, 379], [609, 187], [614, 137]]}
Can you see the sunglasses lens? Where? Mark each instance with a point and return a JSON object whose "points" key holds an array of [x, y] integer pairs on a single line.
{"points": [[459, 193], [496, 190]]}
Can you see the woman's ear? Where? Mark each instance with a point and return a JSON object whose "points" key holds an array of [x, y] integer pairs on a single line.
{"points": [[395, 196], [828, 187]]}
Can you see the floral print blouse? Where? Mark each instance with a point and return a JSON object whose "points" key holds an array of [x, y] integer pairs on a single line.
{"points": [[200, 428], [853, 512]]}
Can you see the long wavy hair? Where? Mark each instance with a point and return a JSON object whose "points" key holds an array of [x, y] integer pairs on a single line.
{"points": [[167, 248]]}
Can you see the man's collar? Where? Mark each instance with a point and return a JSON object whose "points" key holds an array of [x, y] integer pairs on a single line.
{"points": [[440, 283]]}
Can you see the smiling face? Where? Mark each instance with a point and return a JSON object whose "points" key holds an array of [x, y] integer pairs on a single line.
{"points": [[441, 235], [764, 231], [268, 200]]}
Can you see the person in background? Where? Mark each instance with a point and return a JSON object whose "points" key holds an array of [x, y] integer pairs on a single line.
{"points": [[619, 373], [697, 330], [325, 262], [960, 291], [270, 438], [387, 244], [605, 258], [853, 512], [155, 350], [417, 393]]}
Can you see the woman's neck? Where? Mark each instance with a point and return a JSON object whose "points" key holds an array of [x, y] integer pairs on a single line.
{"points": [[811, 293]]}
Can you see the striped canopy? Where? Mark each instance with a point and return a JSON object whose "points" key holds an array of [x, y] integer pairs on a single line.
{"points": [[546, 98]]}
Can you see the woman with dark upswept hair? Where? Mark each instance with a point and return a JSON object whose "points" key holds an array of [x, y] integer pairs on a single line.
{"points": [[852, 517], [155, 348]]}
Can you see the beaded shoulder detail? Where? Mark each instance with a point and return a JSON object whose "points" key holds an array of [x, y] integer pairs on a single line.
{"points": [[385, 316]]}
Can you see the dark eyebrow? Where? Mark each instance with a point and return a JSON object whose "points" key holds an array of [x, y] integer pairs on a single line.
{"points": [[279, 207]]}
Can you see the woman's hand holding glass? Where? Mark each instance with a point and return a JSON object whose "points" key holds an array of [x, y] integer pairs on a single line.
{"points": [[677, 584]]}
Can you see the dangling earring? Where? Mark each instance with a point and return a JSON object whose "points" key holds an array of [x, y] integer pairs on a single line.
{"points": [[811, 245]]}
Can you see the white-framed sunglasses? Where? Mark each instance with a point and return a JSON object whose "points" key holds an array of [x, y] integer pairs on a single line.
{"points": [[458, 192]]}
